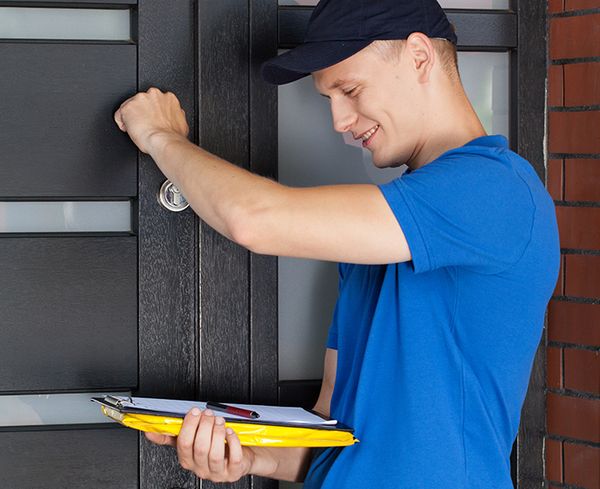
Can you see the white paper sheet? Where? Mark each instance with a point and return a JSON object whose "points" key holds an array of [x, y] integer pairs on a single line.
{"points": [[268, 414]]}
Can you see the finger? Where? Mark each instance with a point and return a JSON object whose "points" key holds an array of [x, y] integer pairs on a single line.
{"points": [[234, 447], [185, 440], [159, 439], [203, 441], [235, 455], [216, 456], [119, 120]]}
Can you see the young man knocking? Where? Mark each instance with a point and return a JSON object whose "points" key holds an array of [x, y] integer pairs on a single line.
{"points": [[446, 271]]}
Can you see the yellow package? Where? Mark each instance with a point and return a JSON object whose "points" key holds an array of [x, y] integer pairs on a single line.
{"points": [[250, 434]]}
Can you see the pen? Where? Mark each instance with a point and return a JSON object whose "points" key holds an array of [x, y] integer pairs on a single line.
{"points": [[244, 413]]}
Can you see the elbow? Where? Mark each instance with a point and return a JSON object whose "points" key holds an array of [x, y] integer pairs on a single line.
{"points": [[244, 229]]}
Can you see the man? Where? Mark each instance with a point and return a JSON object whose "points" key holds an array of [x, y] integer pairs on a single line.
{"points": [[446, 271]]}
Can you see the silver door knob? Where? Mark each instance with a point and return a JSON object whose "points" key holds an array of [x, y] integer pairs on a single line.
{"points": [[171, 198]]}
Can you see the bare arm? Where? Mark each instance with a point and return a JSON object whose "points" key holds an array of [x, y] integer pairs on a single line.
{"points": [[201, 448], [348, 223]]}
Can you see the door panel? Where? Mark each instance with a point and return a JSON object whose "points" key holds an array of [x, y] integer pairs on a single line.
{"points": [[68, 313], [62, 140], [90, 459]]}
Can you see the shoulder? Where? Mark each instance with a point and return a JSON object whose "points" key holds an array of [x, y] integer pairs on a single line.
{"points": [[491, 176]]}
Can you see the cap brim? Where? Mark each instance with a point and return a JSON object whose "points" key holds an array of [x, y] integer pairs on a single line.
{"points": [[308, 58]]}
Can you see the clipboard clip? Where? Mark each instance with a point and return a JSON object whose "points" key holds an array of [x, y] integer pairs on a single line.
{"points": [[116, 402]]}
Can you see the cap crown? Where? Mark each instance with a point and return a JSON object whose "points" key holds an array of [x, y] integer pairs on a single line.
{"points": [[357, 20]]}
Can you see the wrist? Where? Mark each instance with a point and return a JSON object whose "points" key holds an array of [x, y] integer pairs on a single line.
{"points": [[262, 462], [158, 142]]}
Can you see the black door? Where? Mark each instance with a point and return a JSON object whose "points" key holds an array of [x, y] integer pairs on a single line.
{"points": [[158, 305], [161, 306]]}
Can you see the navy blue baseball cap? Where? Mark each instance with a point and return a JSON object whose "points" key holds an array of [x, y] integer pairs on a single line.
{"points": [[337, 29]]}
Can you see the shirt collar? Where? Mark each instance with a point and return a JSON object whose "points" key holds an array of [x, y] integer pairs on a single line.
{"points": [[496, 141]]}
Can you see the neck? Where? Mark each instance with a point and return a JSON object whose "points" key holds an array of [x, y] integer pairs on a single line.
{"points": [[453, 123]]}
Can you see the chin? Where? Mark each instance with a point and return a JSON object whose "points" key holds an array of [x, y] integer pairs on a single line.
{"points": [[389, 161]]}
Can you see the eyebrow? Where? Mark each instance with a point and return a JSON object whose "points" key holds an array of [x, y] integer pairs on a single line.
{"points": [[338, 83]]}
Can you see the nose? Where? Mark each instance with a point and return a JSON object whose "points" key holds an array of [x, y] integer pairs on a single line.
{"points": [[344, 116]]}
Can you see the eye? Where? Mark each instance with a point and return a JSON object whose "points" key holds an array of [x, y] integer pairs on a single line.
{"points": [[351, 92]]}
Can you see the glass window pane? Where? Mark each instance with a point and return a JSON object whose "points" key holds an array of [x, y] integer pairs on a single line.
{"points": [[312, 153], [64, 23], [485, 77], [472, 4], [49, 409], [65, 217]]}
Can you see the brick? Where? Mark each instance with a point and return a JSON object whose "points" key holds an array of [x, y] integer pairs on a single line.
{"points": [[554, 367], [581, 370], [575, 37], [582, 180], [574, 132], [555, 85], [582, 465], [570, 322], [573, 417], [559, 289], [581, 84], [581, 4], [579, 227], [555, 6], [582, 274], [554, 462], [554, 179]]}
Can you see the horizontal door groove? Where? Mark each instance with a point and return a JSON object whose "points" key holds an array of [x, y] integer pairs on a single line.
{"points": [[65, 217], [68, 3], [68, 235], [65, 23], [63, 427]]}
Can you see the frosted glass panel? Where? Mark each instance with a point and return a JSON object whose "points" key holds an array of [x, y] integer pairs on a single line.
{"points": [[64, 23], [478, 4], [485, 77], [64, 217], [312, 153], [48, 409]]}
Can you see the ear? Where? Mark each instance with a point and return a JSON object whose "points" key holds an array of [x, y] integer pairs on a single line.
{"points": [[421, 52]]}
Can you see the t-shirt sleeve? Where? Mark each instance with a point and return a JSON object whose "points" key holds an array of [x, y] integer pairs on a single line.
{"points": [[470, 211], [332, 336]]}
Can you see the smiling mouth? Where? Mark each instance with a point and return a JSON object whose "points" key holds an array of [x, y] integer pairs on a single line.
{"points": [[366, 137]]}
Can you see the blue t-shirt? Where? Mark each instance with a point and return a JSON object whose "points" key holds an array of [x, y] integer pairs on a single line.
{"points": [[434, 354]]}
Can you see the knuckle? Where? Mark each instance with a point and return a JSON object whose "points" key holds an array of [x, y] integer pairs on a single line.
{"points": [[185, 444], [200, 451], [214, 459]]}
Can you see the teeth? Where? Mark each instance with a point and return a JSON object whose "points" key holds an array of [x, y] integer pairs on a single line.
{"points": [[366, 136]]}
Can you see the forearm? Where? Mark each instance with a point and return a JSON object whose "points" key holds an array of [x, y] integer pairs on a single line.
{"points": [[221, 193], [288, 464]]}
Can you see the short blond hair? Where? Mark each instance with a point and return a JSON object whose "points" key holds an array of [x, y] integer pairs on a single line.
{"points": [[391, 51]]}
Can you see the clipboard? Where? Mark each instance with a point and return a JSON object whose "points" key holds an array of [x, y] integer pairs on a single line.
{"points": [[270, 431]]}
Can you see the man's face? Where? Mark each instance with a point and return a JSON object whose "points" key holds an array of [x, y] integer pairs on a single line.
{"points": [[378, 101]]}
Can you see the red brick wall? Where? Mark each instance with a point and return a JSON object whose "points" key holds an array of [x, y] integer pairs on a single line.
{"points": [[573, 354]]}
